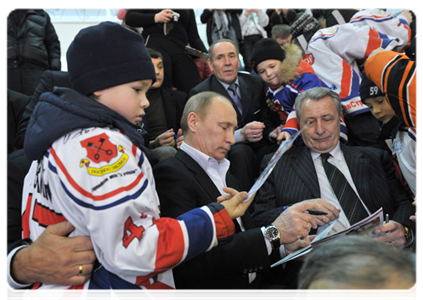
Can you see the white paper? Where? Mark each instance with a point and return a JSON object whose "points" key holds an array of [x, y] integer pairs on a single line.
{"points": [[275, 158]]}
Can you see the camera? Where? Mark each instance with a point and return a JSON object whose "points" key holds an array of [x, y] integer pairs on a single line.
{"points": [[175, 16]]}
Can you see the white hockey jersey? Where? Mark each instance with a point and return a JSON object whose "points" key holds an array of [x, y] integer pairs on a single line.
{"points": [[99, 181], [336, 53]]}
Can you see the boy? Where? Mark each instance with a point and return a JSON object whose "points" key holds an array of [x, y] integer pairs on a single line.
{"points": [[89, 169], [403, 137], [286, 75]]}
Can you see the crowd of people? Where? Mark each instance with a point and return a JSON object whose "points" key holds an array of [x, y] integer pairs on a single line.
{"points": [[131, 169]]}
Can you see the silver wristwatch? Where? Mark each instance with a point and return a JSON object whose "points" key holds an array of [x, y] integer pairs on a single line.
{"points": [[273, 235]]}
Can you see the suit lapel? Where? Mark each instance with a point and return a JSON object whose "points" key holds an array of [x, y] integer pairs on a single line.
{"points": [[245, 91], [359, 170], [200, 175], [303, 165], [206, 183]]}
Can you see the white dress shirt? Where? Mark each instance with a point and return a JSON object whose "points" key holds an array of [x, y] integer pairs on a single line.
{"points": [[326, 192]]}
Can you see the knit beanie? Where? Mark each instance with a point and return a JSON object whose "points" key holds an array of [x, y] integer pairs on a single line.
{"points": [[368, 89], [265, 49], [304, 24], [107, 55]]}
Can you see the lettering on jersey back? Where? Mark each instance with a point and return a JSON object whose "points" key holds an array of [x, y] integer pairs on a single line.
{"points": [[42, 188]]}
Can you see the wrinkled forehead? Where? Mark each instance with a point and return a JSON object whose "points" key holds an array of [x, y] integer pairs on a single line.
{"points": [[224, 48]]}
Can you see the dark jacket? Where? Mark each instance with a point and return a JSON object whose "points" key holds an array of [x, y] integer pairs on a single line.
{"points": [[371, 169], [48, 81], [207, 18], [173, 105], [32, 41], [184, 31], [16, 103], [183, 185]]}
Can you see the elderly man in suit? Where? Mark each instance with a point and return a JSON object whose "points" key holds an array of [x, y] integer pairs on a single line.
{"points": [[305, 172], [197, 175], [255, 120]]}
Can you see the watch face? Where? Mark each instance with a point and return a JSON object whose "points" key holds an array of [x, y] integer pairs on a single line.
{"points": [[272, 233]]}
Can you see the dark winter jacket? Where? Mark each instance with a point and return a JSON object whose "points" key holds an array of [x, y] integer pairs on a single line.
{"points": [[32, 41]]}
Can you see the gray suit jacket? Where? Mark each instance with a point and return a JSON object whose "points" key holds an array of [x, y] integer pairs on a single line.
{"points": [[294, 179]]}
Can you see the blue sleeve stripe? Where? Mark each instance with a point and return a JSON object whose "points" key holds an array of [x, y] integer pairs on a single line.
{"points": [[200, 231]]}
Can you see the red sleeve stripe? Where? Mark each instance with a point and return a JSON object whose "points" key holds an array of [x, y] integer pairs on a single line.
{"points": [[170, 244], [25, 217], [374, 42], [221, 220], [88, 194], [346, 80]]}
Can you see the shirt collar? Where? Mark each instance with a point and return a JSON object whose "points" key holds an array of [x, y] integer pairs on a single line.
{"points": [[203, 159], [336, 153], [225, 85]]}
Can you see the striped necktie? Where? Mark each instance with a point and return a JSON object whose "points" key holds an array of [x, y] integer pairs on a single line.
{"points": [[350, 203], [235, 97]]}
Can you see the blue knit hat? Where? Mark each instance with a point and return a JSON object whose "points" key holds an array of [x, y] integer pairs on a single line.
{"points": [[107, 55]]}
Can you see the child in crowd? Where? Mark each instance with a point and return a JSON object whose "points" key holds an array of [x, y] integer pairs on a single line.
{"points": [[88, 168], [402, 137], [286, 75]]}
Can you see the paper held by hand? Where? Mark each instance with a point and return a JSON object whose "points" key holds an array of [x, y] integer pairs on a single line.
{"points": [[275, 158], [363, 227]]}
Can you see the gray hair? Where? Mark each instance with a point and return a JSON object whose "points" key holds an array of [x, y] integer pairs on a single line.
{"points": [[211, 48], [280, 31], [357, 260], [316, 94], [200, 104]]}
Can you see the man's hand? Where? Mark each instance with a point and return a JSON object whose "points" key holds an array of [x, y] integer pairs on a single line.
{"points": [[392, 234], [164, 16], [55, 259], [252, 132], [167, 138], [416, 217], [332, 211], [297, 245], [233, 202], [294, 223], [179, 139]]}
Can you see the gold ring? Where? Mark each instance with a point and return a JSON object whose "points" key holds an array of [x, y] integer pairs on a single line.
{"points": [[80, 270]]}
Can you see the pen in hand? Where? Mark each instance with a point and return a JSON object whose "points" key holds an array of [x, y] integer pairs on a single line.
{"points": [[316, 212]]}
